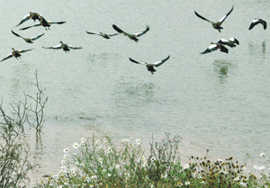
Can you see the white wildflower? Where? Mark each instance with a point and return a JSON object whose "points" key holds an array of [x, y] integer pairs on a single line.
{"points": [[83, 140], [108, 150], [243, 184], [138, 142], [66, 150], [186, 166], [88, 179], [117, 166], [187, 183], [73, 170], [262, 154], [94, 177], [75, 145]]}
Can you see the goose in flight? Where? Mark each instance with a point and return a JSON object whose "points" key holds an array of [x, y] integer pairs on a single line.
{"points": [[44, 23], [215, 25], [232, 42], [104, 35], [63, 46], [16, 53], [150, 66], [28, 40], [31, 15], [258, 21], [215, 46], [132, 36]]}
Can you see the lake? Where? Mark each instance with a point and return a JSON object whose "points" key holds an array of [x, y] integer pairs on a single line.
{"points": [[216, 101]]}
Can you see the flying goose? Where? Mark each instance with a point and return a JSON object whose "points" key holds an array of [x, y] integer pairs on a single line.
{"points": [[232, 42], [44, 23], [15, 53], [28, 40], [150, 66], [63, 46], [215, 25], [257, 21], [31, 15], [132, 36], [104, 35], [215, 46]]}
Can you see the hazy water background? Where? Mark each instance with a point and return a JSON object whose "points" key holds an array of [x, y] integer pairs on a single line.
{"points": [[215, 101]]}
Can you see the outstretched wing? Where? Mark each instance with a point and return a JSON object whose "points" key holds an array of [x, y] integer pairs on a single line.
{"points": [[16, 34], [53, 47], [62, 22], [226, 16], [210, 48], [158, 63], [197, 14], [258, 21], [143, 32], [135, 61], [75, 48], [37, 37], [113, 34], [91, 33], [36, 25], [25, 18], [27, 50], [6, 58]]}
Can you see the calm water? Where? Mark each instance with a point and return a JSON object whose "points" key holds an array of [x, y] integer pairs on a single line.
{"points": [[215, 101]]}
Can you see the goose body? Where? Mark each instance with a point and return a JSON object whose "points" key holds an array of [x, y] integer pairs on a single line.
{"points": [[132, 36], [214, 47], [257, 21], [44, 23], [31, 15], [65, 47], [150, 66], [16, 53], [216, 25], [232, 42], [28, 40]]}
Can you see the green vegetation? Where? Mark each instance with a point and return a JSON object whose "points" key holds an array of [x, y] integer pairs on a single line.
{"points": [[15, 154], [99, 163]]}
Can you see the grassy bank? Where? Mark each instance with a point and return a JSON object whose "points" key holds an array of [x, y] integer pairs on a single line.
{"points": [[97, 162]]}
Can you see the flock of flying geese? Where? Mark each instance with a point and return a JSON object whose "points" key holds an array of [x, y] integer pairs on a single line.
{"points": [[219, 45], [232, 42]]}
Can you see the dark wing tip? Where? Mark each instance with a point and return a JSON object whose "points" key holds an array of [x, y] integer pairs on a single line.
{"points": [[116, 28], [24, 28], [133, 60], [250, 27], [91, 33], [16, 34]]}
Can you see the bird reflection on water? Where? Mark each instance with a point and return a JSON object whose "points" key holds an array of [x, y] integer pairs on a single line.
{"points": [[222, 68], [257, 49], [135, 93]]}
